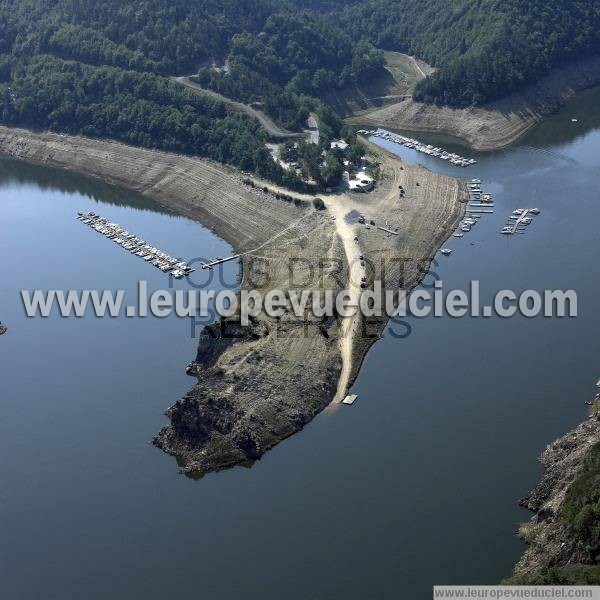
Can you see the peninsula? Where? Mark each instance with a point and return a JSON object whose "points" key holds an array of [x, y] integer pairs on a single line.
{"points": [[258, 385]]}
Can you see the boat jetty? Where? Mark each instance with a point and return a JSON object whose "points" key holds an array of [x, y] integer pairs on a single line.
{"points": [[128, 241], [429, 149], [479, 203], [518, 221]]}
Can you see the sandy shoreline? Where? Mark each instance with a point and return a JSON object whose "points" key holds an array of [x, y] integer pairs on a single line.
{"points": [[497, 124], [256, 389]]}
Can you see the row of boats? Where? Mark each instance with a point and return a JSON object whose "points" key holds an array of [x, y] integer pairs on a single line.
{"points": [[480, 203], [520, 218], [429, 149], [476, 194], [167, 264]]}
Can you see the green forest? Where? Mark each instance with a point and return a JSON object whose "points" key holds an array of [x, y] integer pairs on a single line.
{"points": [[103, 68], [295, 58], [482, 49]]}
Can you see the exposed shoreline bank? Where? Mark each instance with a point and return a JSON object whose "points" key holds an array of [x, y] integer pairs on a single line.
{"points": [[255, 390], [494, 125], [552, 543]]}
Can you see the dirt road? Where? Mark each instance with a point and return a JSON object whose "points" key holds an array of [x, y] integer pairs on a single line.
{"points": [[272, 128], [418, 68], [347, 232]]}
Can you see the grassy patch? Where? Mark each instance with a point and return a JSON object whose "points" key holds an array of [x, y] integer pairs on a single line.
{"points": [[400, 76], [403, 70]]}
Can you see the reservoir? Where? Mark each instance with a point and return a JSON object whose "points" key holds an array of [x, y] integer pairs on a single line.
{"points": [[416, 484]]}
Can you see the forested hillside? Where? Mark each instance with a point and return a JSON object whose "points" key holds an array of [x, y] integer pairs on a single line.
{"points": [[483, 49], [103, 67], [295, 56]]}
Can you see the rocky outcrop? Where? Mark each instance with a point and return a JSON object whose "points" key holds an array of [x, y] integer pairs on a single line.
{"points": [[551, 543], [253, 390]]}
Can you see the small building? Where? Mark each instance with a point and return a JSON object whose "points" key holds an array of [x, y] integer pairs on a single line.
{"points": [[341, 144]]}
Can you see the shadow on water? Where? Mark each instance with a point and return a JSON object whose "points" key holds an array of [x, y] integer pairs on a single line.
{"points": [[559, 129], [51, 178]]}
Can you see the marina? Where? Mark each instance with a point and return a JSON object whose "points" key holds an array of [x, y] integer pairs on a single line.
{"points": [[519, 220], [135, 245], [479, 203], [429, 149]]}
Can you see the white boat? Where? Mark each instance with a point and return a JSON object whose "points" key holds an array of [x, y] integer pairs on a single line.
{"points": [[446, 251]]}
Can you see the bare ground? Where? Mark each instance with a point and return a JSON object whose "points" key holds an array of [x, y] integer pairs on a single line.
{"points": [[259, 384], [496, 124], [431, 209]]}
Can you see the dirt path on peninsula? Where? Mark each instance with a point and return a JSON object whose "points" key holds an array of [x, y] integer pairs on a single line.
{"points": [[347, 233]]}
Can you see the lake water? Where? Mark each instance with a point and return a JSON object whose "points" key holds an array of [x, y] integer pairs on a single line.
{"points": [[416, 484]]}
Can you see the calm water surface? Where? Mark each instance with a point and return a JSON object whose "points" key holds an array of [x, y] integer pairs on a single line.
{"points": [[414, 485]]}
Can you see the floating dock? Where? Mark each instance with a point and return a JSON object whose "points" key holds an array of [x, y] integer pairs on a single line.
{"points": [[350, 399], [219, 261], [135, 245], [480, 203], [520, 218]]}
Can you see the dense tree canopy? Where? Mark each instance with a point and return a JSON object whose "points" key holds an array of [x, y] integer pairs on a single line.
{"points": [[295, 56], [482, 49], [102, 67]]}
